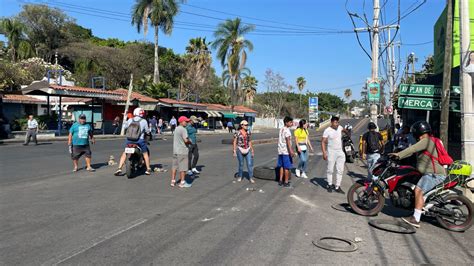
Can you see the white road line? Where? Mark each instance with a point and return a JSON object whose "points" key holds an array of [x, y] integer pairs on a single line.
{"points": [[97, 241], [306, 202]]}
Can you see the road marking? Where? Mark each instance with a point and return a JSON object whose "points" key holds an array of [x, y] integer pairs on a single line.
{"points": [[96, 242], [306, 202]]}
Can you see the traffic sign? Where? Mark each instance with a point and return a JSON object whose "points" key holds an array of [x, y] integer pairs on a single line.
{"points": [[313, 108], [373, 91], [426, 90], [426, 103]]}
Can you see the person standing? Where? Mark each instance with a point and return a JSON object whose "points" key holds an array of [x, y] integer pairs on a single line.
{"points": [[302, 144], [193, 154], [32, 130], [372, 147], [160, 126], [173, 124], [116, 125], [243, 150], [331, 145], [79, 135], [230, 126], [153, 126], [180, 152], [285, 152]]}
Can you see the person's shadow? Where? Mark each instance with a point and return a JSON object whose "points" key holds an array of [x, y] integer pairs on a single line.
{"points": [[319, 181]]}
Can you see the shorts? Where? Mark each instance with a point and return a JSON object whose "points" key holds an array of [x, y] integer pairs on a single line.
{"points": [[429, 181], [79, 150], [285, 161], [141, 143], [180, 162]]}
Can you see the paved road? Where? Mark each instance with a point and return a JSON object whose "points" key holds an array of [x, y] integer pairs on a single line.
{"points": [[97, 218]]}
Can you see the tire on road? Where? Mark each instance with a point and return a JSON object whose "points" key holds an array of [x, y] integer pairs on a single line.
{"points": [[390, 225], [351, 246], [227, 141], [265, 173]]}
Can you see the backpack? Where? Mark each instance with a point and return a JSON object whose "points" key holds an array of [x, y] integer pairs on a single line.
{"points": [[134, 131], [373, 142], [443, 156]]}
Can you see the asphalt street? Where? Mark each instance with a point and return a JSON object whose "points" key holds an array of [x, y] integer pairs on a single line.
{"points": [[50, 215]]}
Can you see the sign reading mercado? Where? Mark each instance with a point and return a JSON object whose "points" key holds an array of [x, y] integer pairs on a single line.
{"points": [[426, 104], [373, 91], [426, 97]]}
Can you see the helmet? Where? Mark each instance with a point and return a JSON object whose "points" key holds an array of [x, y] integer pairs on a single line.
{"points": [[372, 125], [139, 112], [419, 128]]}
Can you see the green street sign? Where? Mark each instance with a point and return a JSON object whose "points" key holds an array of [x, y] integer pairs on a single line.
{"points": [[426, 90], [426, 104], [373, 91]]}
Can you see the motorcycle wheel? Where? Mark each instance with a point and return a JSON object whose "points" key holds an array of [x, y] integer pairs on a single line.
{"points": [[363, 204], [463, 211], [350, 158], [129, 167]]}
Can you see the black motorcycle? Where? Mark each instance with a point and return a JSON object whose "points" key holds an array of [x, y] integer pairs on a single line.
{"points": [[135, 161], [348, 147]]}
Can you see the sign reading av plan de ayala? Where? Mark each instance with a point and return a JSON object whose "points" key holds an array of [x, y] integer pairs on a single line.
{"points": [[425, 90], [426, 97]]}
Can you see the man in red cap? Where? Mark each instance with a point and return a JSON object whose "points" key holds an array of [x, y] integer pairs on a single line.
{"points": [[180, 152]]}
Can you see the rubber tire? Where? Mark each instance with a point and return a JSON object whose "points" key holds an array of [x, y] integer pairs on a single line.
{"points": [[227, 141], [378, 222], [350, 248], [468, 223], [356, 209], [350, 159], [128, 168], [265, 173]]}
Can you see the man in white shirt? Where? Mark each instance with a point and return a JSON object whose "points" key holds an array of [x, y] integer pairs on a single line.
{"points": [[331, 144], [32, 130], [285, 153]]}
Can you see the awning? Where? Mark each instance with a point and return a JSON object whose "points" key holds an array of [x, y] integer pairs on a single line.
{"points": [[148, 107], [239, 114], [250, 114], [212, 114], [229, 115]]}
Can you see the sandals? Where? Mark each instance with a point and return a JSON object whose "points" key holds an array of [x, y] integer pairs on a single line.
{"points": [[182, 184], [118, 172], [148, 171], [173, 182], [90, 169]]}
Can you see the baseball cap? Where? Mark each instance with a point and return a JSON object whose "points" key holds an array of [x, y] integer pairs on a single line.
{"points": [[193, 118], [82, 116], [244, 122], [182, 119]]}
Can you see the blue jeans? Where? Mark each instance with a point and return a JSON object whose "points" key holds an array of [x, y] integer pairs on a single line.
{"points": [[303, 163], [428, 181], [249, 159], [372, 158]]}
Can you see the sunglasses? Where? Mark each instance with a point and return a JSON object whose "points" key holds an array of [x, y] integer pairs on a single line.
{"points": [[244, 125]]}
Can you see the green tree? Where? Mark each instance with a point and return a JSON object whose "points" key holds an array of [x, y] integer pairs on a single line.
{"points": [[232, 49], [250, 85], [160, 13], [13, 30], [198, 64], [300, 82]]}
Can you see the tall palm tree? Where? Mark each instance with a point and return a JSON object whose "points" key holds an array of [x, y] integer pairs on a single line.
{"points": [[200, 59], [300, 82], [232, 49], [13, 30], [160, 14], [250, 84]]}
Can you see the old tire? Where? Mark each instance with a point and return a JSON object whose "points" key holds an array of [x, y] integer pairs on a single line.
{"points": [[390, 225], [351, 246], [265, 173], [227, 141]]}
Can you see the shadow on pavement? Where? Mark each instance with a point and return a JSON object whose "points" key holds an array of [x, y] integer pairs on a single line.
{"points": [[319, 181], [99, 165], [356, 175]]}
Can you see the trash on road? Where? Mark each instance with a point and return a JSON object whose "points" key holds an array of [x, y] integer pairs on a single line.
{"points": [[207, 219], [160, 170], [261, 191], [336, 244], [111, 161], [251, 189], [357, 240]]}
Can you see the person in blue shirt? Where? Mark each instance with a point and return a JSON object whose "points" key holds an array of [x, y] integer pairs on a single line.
{"points": [[79, 135], [193, 154]]}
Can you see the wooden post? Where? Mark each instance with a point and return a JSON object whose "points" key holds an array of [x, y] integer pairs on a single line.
{"points": [[129, 94]]}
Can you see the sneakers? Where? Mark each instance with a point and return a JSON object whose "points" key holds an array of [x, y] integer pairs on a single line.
{"points": [[298, 172], [339, 190], [194, 170], [411, 221], [303, 175], [287, 185], [190, 172], [330, 188], [239, 179], [251, 180]]}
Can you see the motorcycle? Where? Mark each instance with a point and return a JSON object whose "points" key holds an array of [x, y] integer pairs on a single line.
{"points": [[348, 146], [135, 160], [452, 211]]}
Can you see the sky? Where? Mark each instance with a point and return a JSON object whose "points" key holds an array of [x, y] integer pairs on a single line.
{"points": [[309, 38]]}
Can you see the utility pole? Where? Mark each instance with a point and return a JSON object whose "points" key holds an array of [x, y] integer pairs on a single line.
{"points": [[391, 69], [375, 56], [467, 115], [448, 48], [129, 94]]}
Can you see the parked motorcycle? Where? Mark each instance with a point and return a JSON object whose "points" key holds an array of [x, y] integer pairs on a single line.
{"points": [[348, 145], [453, 211]]}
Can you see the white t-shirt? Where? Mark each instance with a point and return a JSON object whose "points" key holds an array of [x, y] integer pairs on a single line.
{"points": [[334, 137], [282, 147]]}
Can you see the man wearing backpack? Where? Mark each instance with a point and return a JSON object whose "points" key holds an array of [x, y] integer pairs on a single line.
{"points": [[372, 147], [136, 128], [431, 158]]}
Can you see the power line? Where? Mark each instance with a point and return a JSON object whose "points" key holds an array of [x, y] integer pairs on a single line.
{"points": [[415, 44]]}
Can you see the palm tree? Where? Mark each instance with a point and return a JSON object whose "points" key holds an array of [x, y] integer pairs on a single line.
{"points": [[200, 60], [250, 84], [347, 94], [231, 51], [300, 82], [160, 14], [13, 30]]}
